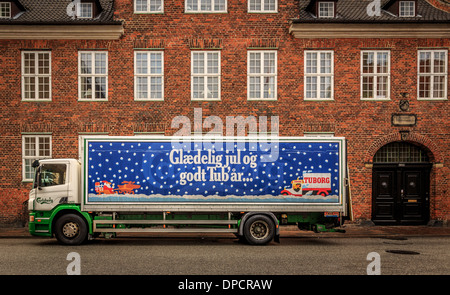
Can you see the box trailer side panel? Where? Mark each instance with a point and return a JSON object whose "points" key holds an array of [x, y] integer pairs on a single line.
{"points": [[189, 174]]}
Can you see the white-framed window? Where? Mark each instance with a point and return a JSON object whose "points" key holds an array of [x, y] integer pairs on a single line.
{"points": [[206, 6], [319, 75], [407, 8], [92, 75], [375, 74], [34, 147], [432, 74], [262, 74], [263, 6], [85, 10], [148, 75], [5, 9], [36, 75], [205, 75], [148, 6], [325, 9]]}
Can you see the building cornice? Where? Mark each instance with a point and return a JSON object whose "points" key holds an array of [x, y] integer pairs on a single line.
{"points": [[369, 30], [69, 32]]}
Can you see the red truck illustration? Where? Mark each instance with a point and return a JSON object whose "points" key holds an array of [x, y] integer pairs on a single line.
{"points": [[316, 183], [127, 187]]}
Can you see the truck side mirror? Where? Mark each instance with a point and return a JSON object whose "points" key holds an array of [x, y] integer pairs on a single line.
{"points": [[35, 164]]}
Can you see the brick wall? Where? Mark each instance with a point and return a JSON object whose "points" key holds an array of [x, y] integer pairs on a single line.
{"points": [[366, 124]]}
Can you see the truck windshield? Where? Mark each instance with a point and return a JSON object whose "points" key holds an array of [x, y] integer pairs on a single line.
{"points": [[52, 174]]}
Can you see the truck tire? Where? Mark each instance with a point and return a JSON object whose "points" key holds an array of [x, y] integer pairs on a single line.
{"points": [[259, 230], [71, 229]]}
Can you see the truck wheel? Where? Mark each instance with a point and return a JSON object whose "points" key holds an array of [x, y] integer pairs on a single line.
{"points": [[71, 229], [259, 230]]}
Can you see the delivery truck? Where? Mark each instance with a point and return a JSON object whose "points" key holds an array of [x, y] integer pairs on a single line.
{"points": [[241, 185]]}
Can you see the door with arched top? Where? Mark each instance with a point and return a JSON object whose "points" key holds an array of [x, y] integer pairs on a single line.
{"points": [[401, 185]]}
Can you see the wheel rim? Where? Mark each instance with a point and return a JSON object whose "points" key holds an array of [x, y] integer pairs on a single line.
{"points": [[259, 230], [71, 230]]}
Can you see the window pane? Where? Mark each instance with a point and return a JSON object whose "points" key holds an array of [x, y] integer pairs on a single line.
{"points": [[30, 146], [141, 63], [141, 5], [382, 62], [311, 87], [325, 87], [199, 63], [255, 88], [219, 5], [44, 146], [424, 86], [100, 63], [325, 63], [255, 5], [425, 62], [192, 5], [86, 63], [269, 63], [205, 5], [368, 62], [30, 87], [382, 87], [156, 87], [311, 63], [44, 87], [198, 87], [142, 87], [269, 87], [367, 87], [29, 63], [438, 86], [44, 63], [100, 87], [213, 87], [155, 63], [156, 5], [86, 87], [255, 63], [269, 5], [213, 63], [439, 62]]}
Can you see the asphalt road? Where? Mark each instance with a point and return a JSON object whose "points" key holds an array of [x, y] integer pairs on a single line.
{"points": [[226, 256]]}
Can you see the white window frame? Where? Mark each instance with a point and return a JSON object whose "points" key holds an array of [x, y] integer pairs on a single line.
{"points": [[402, 13], [432, 74], [376, 75], [80, 10], [149, 9], [37, 151], [5, 8], [262, 74], [318, 75], [92, 75], [148, 75], [36, 76], [199, 10], [319, 15], [262, 9], [206, 75]]}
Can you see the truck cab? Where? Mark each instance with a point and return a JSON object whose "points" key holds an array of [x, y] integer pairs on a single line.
{"points": [[56, 183]]}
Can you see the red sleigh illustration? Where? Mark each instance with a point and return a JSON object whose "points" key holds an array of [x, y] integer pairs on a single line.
{"points": [[106, 187]]}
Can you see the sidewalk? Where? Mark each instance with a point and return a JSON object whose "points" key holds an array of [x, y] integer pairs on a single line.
{"points": [[352, 231]]}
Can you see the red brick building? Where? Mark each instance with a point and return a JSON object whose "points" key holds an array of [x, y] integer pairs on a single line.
{"points": [[375, 74]]}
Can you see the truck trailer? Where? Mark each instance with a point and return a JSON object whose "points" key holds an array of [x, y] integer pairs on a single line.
{"points": [[241, 185]]}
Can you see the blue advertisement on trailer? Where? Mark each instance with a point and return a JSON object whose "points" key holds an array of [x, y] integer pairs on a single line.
{"points": [[289, 171]]}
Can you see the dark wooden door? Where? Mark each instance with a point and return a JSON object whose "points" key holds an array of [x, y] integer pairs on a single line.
{"points": [[400, 194]]}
